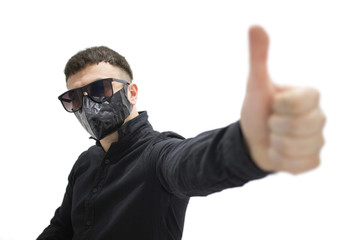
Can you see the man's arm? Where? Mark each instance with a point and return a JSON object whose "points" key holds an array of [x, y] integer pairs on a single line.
{"points": [[60, 227], [212, 161], [282, 127]]}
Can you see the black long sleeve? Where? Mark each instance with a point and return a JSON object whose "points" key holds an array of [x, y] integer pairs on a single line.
{"points": [[212, 161]]}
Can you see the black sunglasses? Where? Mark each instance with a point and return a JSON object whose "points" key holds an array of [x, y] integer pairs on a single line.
{"points": [[99, 91]]}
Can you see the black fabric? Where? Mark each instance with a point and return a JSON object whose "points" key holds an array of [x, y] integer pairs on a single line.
{"points": [[140, 188]]}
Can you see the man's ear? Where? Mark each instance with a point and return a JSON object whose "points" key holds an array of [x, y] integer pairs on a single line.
{"points": [[132, 93]]}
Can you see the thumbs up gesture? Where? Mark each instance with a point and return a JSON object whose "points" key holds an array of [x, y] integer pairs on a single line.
{"points": [[282, 125]]}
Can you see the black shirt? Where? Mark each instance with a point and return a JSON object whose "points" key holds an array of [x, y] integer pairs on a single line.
{"points": [[140, 188]]}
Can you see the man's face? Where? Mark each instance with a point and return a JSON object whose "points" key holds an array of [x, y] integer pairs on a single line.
{"points": [[101, 120], [96, 72]]}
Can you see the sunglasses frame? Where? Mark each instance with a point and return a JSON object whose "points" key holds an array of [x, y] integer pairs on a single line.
{"points": [[85, 89]]}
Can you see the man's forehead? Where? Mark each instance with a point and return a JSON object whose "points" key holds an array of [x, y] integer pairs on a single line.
{"points": [[95, 72]]}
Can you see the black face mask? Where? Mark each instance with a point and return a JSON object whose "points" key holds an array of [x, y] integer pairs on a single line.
{"points": [[101, 119]]}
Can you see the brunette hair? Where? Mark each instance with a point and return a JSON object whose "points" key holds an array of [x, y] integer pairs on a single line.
{"points": [[95, 55]]}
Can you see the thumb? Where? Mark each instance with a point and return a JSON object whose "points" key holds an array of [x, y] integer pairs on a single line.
{"points": [[258, 47]]}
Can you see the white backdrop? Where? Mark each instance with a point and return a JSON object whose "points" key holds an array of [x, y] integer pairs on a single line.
{"points": [[190, 61]]}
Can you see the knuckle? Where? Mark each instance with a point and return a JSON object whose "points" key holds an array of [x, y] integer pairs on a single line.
{"points": [[272, 122], [315, 94], [295, 172], [316, 121], [283, 145], [308, 100], [313, 163], [294, 105], [278, 124], [322, 118], [295, 126], [307, 124], [297, 166], [297, 101], [317, 162], [286, 104], [290, 149], [293, 169], [311, 94], [322, 140], [316, 143], [319, 115]]}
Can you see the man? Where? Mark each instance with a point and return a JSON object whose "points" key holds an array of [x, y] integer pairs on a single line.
{"points": [[135, 183]]}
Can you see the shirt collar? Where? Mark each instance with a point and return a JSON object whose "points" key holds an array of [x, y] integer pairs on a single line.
{"points": [[131, 132]]}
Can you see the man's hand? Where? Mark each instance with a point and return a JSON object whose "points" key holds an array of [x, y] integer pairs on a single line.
{"points": [[282, 125]]}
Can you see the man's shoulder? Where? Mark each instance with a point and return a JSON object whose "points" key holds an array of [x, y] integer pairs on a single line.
{"points": [[167, 136], [162, 141]]}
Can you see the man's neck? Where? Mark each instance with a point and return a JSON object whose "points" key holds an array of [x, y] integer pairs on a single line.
{"points": [[114, 137], [108, 140]]}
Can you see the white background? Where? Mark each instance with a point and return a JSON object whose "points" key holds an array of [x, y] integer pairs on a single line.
{"points": [[190, 61]]}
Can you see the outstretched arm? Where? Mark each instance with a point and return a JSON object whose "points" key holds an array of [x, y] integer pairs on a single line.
{"points": [[282, 127], [208, 163]]}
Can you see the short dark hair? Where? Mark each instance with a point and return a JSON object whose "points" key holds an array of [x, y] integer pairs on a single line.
{"points": [[95, 55]]}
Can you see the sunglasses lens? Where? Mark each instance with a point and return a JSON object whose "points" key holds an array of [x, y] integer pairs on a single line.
{"points": [[100, 89], [72, 100]]}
